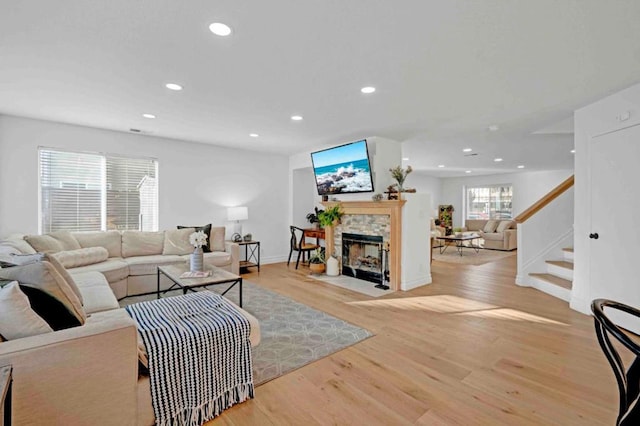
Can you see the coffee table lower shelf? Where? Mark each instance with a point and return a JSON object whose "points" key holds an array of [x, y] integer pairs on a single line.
{"points": [[218, 277]]}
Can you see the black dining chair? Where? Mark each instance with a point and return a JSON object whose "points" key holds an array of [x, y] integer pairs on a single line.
{"points": [[299, 244], [628, 378]]}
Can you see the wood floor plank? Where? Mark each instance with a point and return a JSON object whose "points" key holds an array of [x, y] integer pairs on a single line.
{"points": [[470, 348]]}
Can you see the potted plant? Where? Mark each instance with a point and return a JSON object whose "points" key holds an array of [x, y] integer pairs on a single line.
{"points": [[329, 217], [316, 261], [313, 217], [458, 232]]}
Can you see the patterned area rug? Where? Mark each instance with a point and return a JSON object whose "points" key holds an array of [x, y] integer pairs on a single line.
{"points": [[293, 334], [469, 255]]}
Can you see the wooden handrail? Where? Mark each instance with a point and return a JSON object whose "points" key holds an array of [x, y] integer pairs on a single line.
{"points": [[551, 195]]}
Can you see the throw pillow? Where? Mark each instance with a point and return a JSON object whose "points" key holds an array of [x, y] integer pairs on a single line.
{"points": [[17, 319], [45, 277], [490, 226], [504, 225], [176, 241], [207, 231], [217, 238], [81, 257], [50, 309], [67, 240]]}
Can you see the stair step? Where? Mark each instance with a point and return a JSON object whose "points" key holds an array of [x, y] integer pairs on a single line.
{"points": [[568, 249], [561, 264], [553, 279]]}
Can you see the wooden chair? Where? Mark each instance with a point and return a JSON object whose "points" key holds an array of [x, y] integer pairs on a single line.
{"points": [[298, 243], [628, 379]]}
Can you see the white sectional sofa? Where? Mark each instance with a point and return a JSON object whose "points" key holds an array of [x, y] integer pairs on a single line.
{"points": [[88, 374], [133, 256]]}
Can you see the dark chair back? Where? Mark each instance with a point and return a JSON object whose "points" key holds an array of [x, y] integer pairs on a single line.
{"points": [[628, 378], [296, 237]]}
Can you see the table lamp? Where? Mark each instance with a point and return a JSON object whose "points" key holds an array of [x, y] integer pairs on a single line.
{"points": [[237, 214]]}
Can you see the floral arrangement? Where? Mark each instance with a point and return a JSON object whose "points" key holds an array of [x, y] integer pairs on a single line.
{"points": [[400, 174], [198, 239]]}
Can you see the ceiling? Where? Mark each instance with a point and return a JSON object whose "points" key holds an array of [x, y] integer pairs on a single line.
{"points": [[444, 71]]}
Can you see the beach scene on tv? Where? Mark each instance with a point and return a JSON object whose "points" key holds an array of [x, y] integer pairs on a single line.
{"points": [[343, 169]]}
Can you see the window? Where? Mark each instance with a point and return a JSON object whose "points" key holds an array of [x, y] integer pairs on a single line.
{"points": [[489, 202], [88, 192]]}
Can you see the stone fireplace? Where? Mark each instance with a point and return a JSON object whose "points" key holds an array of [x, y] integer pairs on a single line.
{"points": [[381, 219], [362, 256]]}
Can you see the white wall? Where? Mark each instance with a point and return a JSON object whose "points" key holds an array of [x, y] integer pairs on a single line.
{"points": [[603, 116], [427, 185], [197, 181], [416, 247], [528, 187]]}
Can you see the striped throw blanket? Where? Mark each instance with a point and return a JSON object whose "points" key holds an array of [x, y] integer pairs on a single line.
{"points": [[199, 356]]}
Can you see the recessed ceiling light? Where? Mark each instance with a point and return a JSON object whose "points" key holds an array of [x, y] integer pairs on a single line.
{"points": [[173, 86], [441, 165], [405, 158], [296, 117], [497, 160], [494, 128], [573, 151], [148, 116], [467, 171], [254, 135], [220, 29], [467, 150], [368, 89], [521, 166]]}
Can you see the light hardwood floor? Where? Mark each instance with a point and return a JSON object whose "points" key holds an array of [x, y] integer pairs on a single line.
{"points": [[471, 348]]}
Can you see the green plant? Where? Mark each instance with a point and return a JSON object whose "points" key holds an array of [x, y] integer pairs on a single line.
{"points": [[317, 256], [313, 216], [329, 216], [457, 229]]}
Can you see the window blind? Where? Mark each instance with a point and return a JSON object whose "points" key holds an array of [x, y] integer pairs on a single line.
{"points": [[89, 191], [489, 202]]}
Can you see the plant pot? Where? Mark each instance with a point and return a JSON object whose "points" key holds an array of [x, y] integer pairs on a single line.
{"points": [[316, 268], [197, 260]]}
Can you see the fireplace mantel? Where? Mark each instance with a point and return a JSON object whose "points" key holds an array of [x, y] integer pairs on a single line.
{"points": [[391, 208]]}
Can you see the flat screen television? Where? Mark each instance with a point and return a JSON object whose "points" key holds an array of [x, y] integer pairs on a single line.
{"points": [[343, 169]]}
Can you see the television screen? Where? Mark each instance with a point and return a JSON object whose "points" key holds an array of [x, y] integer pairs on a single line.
{"points": [[343, 169]]}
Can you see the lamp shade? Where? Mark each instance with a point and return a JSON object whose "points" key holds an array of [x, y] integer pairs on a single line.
{"points": [[237, 213]]}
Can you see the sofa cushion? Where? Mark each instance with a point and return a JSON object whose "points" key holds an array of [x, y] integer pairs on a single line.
{"points": [[17, 319], [111, 240], [207, 231], [18, 242], [504, 225], [490, 226], [53, 242], [96, 292], [113, 269], [492, 236], [81, 257], [44, 276], [140, 243], [215, 258], [176, 241], [148, 265], [65, 275], [217, 238]]}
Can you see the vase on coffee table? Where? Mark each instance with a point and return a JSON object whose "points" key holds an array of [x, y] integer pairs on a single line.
{"points": [[197, 260]]}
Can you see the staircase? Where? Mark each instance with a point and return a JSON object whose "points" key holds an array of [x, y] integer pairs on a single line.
{"points": [[558, 279]]}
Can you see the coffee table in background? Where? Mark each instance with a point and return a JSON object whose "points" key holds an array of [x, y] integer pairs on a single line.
{"points": [[459, 242], [218, 276]]}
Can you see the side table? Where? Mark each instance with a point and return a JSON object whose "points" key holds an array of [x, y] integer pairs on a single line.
{"points": [[251, 254]]}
